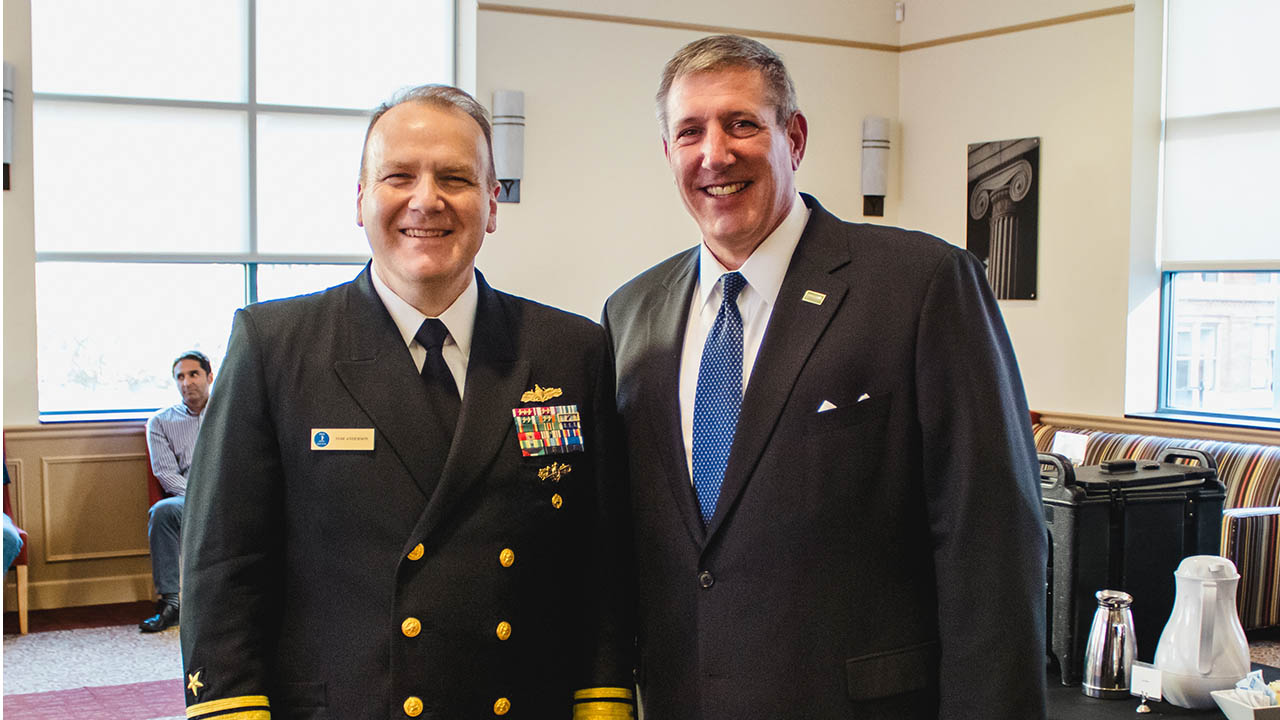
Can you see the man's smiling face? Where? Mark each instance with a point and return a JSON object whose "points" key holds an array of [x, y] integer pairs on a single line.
{"points": [[734, 163], [426, 200]]}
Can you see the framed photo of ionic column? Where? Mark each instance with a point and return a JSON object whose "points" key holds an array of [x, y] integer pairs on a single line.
{"points": [[1004, 212]]}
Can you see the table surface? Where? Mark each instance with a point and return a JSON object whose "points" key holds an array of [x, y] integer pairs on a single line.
{"points": [[1069, 703]]}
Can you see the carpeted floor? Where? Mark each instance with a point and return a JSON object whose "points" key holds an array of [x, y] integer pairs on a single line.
{"points": [[92, 664]]}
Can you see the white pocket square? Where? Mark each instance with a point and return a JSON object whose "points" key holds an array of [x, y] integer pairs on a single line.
{"points": [[826, 405], [864, 396]]}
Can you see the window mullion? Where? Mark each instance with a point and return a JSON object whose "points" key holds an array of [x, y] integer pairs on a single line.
{"points": [[252, 186]]}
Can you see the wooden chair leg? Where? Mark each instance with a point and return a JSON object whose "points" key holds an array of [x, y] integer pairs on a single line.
{"points": [[22, 599]]}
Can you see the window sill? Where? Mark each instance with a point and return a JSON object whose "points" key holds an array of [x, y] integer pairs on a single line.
{"points": [[53, 418], [1208, 419]]}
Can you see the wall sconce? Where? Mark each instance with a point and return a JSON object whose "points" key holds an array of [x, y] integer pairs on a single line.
{"points": [[875, 164], [508, 142], [8, 120]]}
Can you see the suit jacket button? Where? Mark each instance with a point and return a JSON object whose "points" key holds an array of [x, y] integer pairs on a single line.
{"points": [[501, 706], [504, 630], [507, 557], [416, 552], [412, 706], [411, 627], [706, 579]]}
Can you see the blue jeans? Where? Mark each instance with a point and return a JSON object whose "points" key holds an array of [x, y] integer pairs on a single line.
{"points": [[164, 530], [12, 542]]}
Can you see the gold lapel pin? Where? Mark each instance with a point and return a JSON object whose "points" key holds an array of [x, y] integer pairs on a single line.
{"points": [[540, 394], [814, 297]]}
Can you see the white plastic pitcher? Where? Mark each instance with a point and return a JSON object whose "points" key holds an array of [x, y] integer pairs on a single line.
{"points": [[1202, 647]]}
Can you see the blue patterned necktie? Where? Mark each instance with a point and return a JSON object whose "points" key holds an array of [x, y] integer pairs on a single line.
{"points": [[718, 398], [441, 387]]}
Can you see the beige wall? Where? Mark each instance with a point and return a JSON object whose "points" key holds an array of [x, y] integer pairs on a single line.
{"points": [[1071, 85], [19, 233], [597, 200]]}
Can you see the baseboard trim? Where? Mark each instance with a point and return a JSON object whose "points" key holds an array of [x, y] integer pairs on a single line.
{"points": [[51, 594]]}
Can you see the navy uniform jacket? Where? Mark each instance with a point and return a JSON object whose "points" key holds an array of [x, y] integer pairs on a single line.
{"points": [[393, 582], [882, 559]]}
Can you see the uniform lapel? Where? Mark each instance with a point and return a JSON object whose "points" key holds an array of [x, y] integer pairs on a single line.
{"points": [[794, 328], [496, 378], [666, 341], [380, 375]]}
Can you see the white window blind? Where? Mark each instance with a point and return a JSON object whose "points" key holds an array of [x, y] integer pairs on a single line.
{"points": [[1220, 209]]}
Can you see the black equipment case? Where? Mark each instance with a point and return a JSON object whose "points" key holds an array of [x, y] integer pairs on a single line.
{"points": [[1123, 525]]}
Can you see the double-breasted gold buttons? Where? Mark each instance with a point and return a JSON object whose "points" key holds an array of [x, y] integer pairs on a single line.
{"points": [[504, 630], [412, 706], [416, 552], [501, 706], [557, 501], [411, 627], [507, 557]]}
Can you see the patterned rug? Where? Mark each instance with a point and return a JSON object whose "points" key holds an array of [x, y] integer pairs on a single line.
{"points": [[155, 700]]}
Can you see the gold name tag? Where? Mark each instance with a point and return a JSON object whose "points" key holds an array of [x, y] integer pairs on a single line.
{"points": [[341, 438]]}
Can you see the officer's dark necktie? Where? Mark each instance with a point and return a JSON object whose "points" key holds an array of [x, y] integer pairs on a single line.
{"points": [[718, 398], [441, 388]]}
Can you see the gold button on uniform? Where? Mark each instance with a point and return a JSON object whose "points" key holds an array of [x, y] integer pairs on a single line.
{"points": [[416, 552], [557, 501], [504, 630], [501, 706], [412, 706], [411, 627], [507, 557]]}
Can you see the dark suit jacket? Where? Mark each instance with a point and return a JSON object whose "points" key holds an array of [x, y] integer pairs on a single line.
{"points": [[884, 559], [301, 574]]}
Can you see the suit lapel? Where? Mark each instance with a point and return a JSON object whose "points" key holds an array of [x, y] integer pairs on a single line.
{"points": [[794, 328], [667, 325], [496, 378], [379, 373]]}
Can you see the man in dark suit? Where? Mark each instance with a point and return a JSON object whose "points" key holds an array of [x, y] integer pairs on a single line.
{"points": [[403, 501], [833, 484]]}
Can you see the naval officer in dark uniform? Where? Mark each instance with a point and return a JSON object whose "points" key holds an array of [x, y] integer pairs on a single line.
{"points": [[404, 499]]}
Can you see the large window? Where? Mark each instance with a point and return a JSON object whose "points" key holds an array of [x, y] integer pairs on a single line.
{"points": [[1221, 354], [192, 157], [1219, 219]]}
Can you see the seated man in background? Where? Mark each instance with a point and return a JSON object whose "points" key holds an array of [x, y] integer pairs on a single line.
{"points": [[171, 439]]}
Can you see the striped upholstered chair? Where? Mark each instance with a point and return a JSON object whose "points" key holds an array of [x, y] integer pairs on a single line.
{"points": [[1251, 515]]}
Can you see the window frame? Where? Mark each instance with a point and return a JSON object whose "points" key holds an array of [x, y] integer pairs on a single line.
{"points": [[252, 258], [1165, 408]]}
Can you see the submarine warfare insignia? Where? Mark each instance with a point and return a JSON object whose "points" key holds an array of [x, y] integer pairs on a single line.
{"points": [[540, 394]]}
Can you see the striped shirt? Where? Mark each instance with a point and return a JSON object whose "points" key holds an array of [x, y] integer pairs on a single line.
{"points": [[171, 439]]}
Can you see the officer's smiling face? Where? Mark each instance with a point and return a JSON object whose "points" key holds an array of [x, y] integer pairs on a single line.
{"points": [[426, 200]]}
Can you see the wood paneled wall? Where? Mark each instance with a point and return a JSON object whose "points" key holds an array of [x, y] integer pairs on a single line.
{"points": [[80, 492]]}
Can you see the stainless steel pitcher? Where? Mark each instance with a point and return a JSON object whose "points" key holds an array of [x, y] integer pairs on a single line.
{"points": [[1108, 658]]}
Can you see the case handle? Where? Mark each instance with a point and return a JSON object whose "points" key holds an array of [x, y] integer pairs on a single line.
{"points": [[1066, 472], [1201, 457]]}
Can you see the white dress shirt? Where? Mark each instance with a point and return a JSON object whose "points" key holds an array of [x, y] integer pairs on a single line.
{"points": [[459, 318], [764, 271]]}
